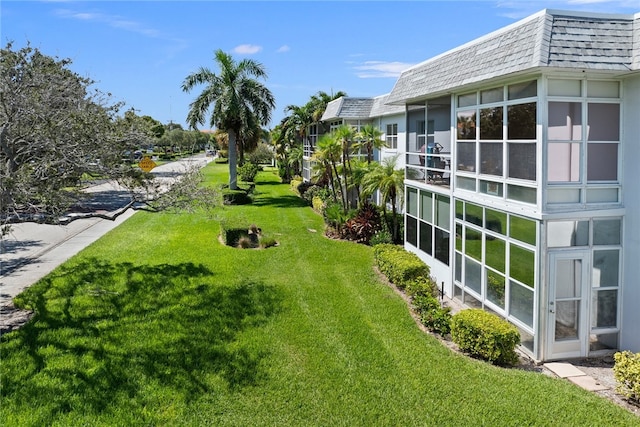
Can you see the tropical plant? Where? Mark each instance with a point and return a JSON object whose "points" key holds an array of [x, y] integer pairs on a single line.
{"points": [[370, 137], [389, 181], [237, 100]]}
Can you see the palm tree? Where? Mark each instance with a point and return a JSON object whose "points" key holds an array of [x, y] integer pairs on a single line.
{"points": [[389, 181], [370, 137], [236, 98], [327, 157]]}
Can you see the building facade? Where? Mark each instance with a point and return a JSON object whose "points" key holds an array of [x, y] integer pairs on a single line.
{"points": [[521, 151]]}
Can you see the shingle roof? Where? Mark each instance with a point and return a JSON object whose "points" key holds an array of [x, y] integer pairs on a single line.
{"points": [[546, 39], [381, 108], [348, 108]]}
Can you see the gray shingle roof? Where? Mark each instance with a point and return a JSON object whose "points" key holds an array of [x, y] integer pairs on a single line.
{"points": [[360, 108], [546, 39], [348, 108]]}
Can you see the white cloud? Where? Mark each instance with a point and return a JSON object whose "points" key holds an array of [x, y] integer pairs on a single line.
{"points": [[247, 49], [283, 48], [376, 69], [111, 20]]}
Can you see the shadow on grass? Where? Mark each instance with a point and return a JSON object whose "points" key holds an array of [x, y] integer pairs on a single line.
{"points": [[283, 201], [106, 332]]}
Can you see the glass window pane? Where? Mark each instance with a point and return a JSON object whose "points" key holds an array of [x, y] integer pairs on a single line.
{"points": [[521, 303], [491, 158], [466, 156], [473, 214], [602, 195], [562, 234], [495, 288], [563, 162], [568, 278], [567, 320], [605, 268], [565, 121], [495, 252], [523, 229], [465, 183], [562, 196], [412, 201], [426, 231], [564, 87], [496, 221], [442, 212], [473, 243], [603, 342], [603, 122], [491, 188], [597, 89], [459, 209], [427, 207], [521, 122], [467, 100], [604, 309], [472, 301], [491, 123], [412, 230], [442, 246], [492, 95], [472, 275], [466, 124], [521, 194], [522, 265], [606, 231], [459, 237], [602, 162], [522, 161], [523, 90], [458, 267]]}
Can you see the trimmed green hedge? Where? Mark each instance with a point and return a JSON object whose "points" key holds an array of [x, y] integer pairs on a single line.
{"points": [[626, 371], [399, 265], [485, 335]]}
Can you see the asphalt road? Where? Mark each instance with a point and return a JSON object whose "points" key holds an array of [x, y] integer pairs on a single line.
{"points": [[31, 250]]}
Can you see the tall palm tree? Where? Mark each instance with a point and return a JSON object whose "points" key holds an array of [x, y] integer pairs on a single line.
{"points": [[384, 177], [370, 137], [327, 157], [235, 98]]}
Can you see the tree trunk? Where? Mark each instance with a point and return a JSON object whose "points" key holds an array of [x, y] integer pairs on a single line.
{"points": [[233, 174]]}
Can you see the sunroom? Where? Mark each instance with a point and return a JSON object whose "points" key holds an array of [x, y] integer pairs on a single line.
{"points": [[515, 171]]}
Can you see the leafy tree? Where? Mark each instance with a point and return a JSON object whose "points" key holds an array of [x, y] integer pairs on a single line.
{"points": [[54, 132], [389, 181], [236, 99]]}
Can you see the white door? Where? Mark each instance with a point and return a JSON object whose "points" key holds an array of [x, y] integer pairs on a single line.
{"points": [[568, 330]]}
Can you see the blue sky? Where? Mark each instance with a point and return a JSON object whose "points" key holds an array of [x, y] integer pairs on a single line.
{"points": [[141, 51]]}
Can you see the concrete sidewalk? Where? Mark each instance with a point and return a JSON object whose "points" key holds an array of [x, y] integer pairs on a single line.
{"points": [[31, 251]]}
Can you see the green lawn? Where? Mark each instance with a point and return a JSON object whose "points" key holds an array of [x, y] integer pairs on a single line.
{"points": [[158, 323]]}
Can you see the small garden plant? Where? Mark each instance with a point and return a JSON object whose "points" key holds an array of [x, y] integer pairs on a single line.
{"points": [[627, 374]]}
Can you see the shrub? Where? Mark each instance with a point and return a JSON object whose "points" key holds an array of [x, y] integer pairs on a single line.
{"points": [[422, 286], [381, 236], [316, 191], [432, 315], [364, 225], [221, 160], [303, 187], [261, 155], [626, 371], [248, 171], [485, 335], [335, 216], [399, 265], [318, 204], [235, 197], [295, 182]]}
